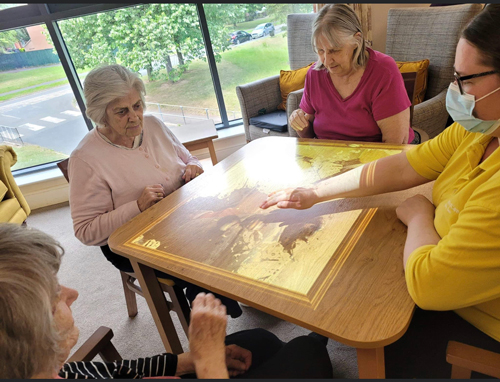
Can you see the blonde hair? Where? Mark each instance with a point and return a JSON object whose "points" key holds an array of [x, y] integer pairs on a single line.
{"points": [[338, 23], [29, 340], [105, 84]]}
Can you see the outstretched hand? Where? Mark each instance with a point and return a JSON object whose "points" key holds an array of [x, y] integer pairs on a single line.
{"points": [[299, 198]]}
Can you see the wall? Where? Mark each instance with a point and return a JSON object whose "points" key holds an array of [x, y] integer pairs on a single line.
{"points": [[379, 22]]}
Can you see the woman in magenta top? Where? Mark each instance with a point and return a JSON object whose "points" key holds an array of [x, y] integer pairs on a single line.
{"points": [[353, 92]]}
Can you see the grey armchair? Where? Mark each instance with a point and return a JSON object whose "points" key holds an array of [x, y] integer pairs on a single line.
{"points": [[417, 33], [265, 93]]}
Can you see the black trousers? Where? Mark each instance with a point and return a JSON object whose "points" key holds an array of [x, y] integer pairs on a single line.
{"points": [[191, 290], [421, 352], [303, 357]]}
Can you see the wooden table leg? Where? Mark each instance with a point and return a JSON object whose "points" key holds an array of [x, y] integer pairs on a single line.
{"points": [[371, 363], [158, 307], [213, 155]]}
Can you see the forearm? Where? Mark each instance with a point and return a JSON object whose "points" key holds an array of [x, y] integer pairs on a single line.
{"points": [[421, 232], [393, 173]]}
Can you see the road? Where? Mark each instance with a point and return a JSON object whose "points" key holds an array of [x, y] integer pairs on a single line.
{"points": [[50, 118]]}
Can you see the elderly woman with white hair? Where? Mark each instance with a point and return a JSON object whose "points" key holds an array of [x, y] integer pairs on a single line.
{"points": [[38, 331], [129, 162], [352, 92]]}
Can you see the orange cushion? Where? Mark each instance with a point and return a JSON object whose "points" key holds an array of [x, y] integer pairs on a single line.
{"points": [[291, 80], [421, 81]]}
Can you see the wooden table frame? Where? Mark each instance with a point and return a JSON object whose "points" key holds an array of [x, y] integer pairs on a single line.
{"points": [[370, 351], [198, 136]]}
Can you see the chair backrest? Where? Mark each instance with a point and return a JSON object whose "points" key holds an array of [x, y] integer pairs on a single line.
{"points": [[409, 80], [299, 32], [414, 34], [63, 166]]}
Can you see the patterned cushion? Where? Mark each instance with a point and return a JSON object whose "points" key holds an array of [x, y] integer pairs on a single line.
{"points": [[421, 81], [291, 80]]}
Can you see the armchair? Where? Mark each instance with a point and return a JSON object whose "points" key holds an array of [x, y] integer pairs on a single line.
{"points": [[265, 93], [13, 206], [417, 33], [465, 358]]}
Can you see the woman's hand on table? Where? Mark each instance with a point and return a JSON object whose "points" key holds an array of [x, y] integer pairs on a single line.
{"points": [[299, 198], [191, 172], [299, 120], [151, 195], [417, 207], [207, 332]]}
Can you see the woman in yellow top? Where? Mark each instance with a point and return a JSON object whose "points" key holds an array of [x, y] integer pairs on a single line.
{"points": [[452, 251]]}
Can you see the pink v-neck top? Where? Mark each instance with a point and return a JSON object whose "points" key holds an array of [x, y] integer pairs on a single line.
{"points": [[105, 181], [380, 94]]}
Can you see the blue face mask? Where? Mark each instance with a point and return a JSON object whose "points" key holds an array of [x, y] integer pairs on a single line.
{"points": [[460, 107]]}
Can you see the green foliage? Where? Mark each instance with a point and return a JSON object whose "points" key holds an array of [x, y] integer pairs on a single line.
{"points": [[145, 36], [279, 12]]}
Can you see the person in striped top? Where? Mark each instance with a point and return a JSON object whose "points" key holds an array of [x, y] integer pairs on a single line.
{"points": [[38, 331]]}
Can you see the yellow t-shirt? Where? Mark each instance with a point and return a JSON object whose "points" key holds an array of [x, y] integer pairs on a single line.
{"points": [[461, 272]]}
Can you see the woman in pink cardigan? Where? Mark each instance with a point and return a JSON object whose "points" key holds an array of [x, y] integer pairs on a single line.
{"points": [[129, 162]]}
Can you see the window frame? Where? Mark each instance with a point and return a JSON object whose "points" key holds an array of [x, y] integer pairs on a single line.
{"points": [[50, 13]]}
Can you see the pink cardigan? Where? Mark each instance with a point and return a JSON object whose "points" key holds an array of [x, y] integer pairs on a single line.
{"points": [[106, 181]]}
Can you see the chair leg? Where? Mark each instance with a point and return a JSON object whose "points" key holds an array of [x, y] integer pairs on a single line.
{"points": [[458, 372], [180, 304], [130, 298]]}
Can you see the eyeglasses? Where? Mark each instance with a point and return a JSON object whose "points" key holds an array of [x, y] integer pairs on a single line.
{"points": [[459, 79]]}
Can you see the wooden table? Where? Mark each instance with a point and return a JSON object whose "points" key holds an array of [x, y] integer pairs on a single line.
{"points": [[198, 136], [335, 269]]}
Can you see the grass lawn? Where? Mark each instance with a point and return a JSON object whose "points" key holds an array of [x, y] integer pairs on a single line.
{"points": [[10, 80], [240, 65], [32, 155]]}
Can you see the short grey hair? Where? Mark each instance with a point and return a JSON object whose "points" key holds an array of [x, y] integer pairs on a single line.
{"points": [[338, 23], [105, 84], [29, 340]]}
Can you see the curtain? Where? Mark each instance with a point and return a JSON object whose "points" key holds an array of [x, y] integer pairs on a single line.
{"points": [[364, 13]]}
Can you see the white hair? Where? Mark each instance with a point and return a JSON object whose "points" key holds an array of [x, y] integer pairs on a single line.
{"points": [[338, 23], [105, 84], [29, 339]]}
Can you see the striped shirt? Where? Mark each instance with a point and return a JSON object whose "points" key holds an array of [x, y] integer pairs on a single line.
{"points": [[157, 366]]}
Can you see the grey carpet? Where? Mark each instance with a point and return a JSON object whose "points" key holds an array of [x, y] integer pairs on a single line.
{"points": [[101, 301]]}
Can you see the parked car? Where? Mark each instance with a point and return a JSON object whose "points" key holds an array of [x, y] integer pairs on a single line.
{"points": [[263, 30], [239, 36]]}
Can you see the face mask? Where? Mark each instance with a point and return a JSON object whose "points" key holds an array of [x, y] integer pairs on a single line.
{"points": [[460, 107]]}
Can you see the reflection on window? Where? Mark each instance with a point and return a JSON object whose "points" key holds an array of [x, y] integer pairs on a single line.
{"points": [[6, 6], [162, 42], [39, 116], [258, 45]]}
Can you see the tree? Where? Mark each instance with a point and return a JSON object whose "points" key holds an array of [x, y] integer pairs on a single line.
{"points": [[142, 37], [279, 12], [10, 37]]}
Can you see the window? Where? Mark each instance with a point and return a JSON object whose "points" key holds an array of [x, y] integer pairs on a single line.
{"points": [[263, 54], [39, 116], [162, 42]]}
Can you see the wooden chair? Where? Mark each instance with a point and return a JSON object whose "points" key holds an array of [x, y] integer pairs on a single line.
{"points": [[409, 80], [465, 358], [98, 343], [178, 301]]}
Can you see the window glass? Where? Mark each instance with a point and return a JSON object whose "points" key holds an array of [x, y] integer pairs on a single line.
{"points": [[162, 42], [263, 54], [39, 116]]}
